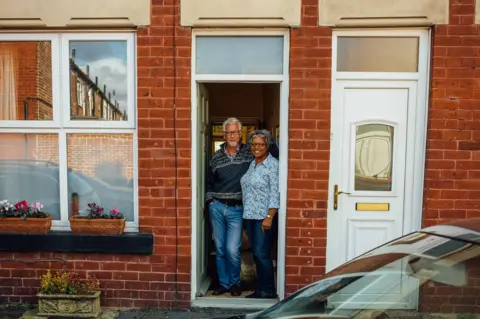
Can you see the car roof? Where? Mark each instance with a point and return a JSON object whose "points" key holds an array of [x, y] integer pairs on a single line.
{"points": [[465, 229]]}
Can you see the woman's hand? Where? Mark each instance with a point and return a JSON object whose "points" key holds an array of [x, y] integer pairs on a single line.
{"points": [[266, 224]]}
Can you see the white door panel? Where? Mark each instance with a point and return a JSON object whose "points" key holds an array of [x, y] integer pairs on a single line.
{"points": [[369, 149]]}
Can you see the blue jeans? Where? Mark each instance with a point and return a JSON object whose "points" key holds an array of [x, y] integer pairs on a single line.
{"points": [[227, 225], [261, 246]]}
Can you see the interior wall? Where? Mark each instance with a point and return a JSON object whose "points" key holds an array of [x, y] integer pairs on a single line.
{"points": [[246, 101], [241, 100], [271, 106]]}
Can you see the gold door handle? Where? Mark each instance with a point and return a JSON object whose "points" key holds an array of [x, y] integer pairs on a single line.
{"points": [[336, 192]]}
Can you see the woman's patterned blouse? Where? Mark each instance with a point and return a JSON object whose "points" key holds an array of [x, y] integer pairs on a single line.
{"points": [[260, 188]]}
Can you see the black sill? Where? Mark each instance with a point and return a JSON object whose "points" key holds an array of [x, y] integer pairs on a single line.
{"points": [[62, 241]]}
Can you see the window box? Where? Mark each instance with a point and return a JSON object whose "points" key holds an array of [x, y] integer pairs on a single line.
{"points": [[98, 226], [25, 226], [76, 306]]}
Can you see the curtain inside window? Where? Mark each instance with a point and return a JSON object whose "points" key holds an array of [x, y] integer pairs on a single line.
{"points": [[8, 95]]}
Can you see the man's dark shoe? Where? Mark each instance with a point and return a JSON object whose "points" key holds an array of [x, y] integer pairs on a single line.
{"points": [[220, 291], [261, 295], [235, 290]]}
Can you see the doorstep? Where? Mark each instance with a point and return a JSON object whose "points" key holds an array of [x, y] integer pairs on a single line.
{"points": [[233, 303]]}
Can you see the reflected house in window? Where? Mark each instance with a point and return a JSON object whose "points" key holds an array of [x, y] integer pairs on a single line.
{"points": [[88, 100], [26, 80]]}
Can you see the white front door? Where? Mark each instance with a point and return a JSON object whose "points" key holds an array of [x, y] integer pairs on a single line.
{"points": [[369, 149], [202, 125]]}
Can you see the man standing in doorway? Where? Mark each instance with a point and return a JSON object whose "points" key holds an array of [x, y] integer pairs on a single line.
{"points": [[224, 202]]}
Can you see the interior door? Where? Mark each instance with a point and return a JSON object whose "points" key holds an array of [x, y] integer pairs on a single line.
{"points": [[202, 142], [370, 121]]}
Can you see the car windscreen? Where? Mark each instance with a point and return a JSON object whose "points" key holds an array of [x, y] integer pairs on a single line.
{"points": [[393, 277]]}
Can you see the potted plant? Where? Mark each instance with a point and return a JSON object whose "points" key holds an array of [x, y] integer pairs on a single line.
{"points": [[24, 218], [97, 222], [64, 294]]}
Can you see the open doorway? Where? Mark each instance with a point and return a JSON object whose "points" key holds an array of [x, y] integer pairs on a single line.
{"points": [[257, 106]]}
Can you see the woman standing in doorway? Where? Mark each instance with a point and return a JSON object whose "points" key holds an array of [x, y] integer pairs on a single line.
{"points": [[261, 200]]}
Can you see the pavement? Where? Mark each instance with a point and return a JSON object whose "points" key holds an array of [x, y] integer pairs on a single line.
{"points": [[142, 313]]}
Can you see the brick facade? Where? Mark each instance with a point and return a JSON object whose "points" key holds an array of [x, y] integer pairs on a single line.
{"points": [[452, 176]]}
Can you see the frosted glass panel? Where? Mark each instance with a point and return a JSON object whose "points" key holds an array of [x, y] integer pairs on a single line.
{"points": [[239, 55], [377, 54], [373, 157]]}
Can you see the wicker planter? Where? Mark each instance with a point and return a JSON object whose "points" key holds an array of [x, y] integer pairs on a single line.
{"points": [[72, 306], [25, 226], [99, 226]]}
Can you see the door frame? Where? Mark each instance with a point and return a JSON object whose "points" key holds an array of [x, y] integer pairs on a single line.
{"points": [[283, 81], [414, 174]]}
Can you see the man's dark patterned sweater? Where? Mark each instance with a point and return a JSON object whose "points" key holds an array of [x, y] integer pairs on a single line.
{"points": [[224, 172]]}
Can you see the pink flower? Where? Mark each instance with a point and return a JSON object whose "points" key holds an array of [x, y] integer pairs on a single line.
{"points": [[115, 211]]}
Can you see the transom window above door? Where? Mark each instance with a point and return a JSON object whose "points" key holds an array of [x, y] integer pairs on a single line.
{"points": [[377, 54], [239, 55]]}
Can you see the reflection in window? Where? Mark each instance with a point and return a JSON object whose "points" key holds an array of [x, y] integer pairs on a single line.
{"points": [[100, 170], [29, 170], [98, 80], [26, 80], [373, 157]]}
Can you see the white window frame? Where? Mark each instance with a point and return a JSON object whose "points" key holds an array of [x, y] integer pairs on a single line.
{"points": [[61, 123], [284, 81]]}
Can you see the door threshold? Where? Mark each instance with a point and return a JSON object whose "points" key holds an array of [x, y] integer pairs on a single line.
{"points": [[233, 303]]}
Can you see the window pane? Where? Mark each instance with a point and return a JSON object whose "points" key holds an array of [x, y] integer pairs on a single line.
{"points": [[373, 157], [239, 55], [101, 171], [26, 80], [98, 80], [377, 54], [29, 170]]}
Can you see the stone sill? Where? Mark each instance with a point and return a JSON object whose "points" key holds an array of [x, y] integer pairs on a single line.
{"points": [[66, 242]]}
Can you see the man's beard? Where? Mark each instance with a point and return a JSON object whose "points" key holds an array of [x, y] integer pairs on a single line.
{"points": [[232, 143]]}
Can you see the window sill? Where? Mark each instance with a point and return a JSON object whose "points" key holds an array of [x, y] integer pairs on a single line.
{"points": [[62, 241]]}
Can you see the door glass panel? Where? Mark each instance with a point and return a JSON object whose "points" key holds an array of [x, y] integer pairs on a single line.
{"points": [[377, 54], [373, 157], [239, 55]]}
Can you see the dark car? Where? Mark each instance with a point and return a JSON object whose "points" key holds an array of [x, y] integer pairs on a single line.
{"points": [[432, 273]]}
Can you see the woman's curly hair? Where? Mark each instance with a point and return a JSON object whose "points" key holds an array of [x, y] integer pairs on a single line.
{"points": [[261, 133]]}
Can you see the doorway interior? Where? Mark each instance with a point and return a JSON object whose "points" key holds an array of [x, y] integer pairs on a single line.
{"points": [[257, 106]]}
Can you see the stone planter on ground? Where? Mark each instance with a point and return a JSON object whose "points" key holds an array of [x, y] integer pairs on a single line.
{"points": [[71, 306]]}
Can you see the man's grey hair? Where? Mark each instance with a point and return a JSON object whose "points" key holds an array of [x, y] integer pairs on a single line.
{"points": [[261, 133], [232, 121]]}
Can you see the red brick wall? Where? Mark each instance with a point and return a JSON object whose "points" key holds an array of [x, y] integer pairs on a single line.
{"points": [[310, 77], [44, 81], [452, 179]]}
